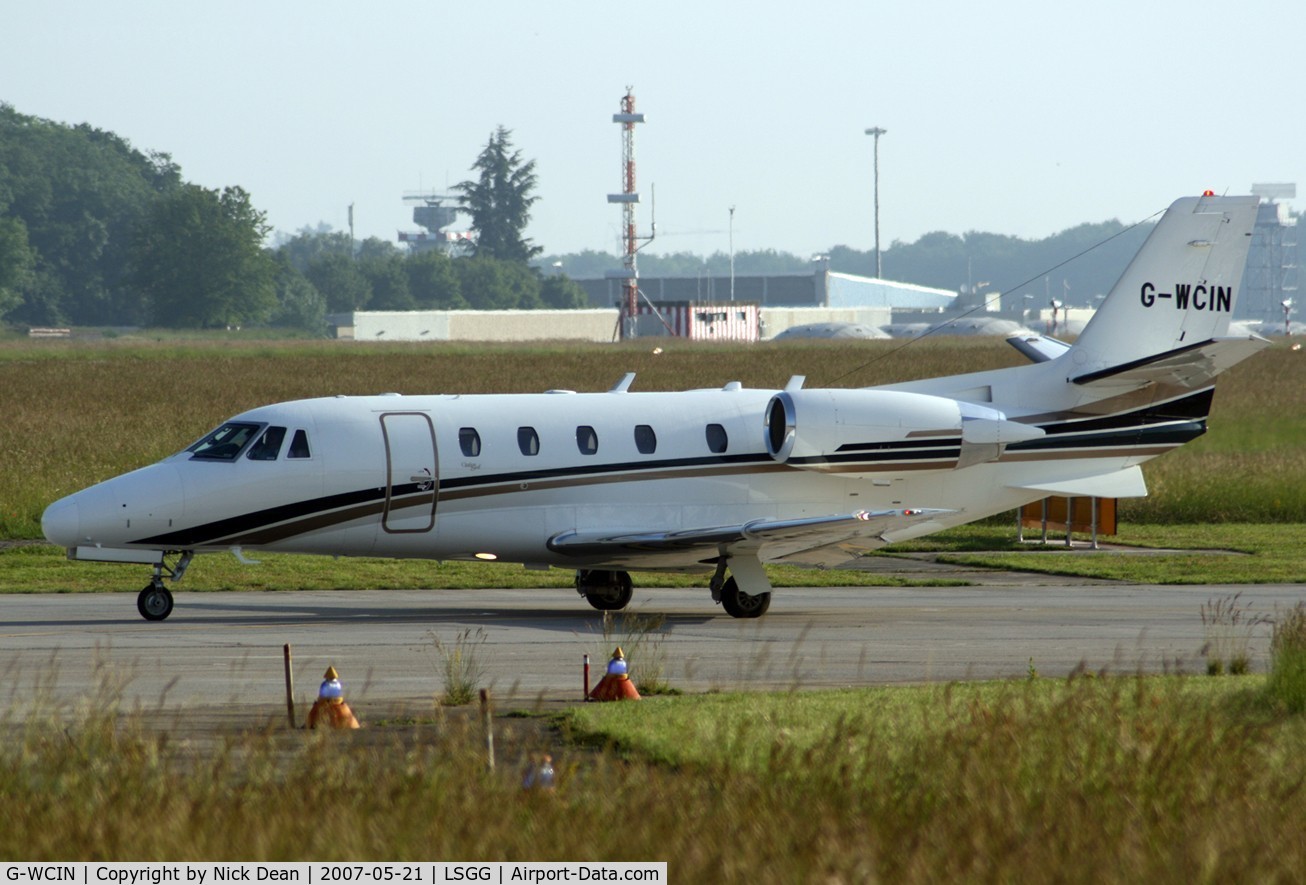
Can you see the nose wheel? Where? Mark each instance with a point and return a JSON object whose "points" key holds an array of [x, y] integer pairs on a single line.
{"points": [[154, 602]]}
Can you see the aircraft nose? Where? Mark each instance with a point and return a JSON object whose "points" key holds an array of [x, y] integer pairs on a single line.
{"points": [[61, 522]]}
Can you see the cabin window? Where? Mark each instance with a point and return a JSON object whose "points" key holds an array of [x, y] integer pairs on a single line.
{"points": [[299, 446], [716, 439], [268, 445], [528, 441], [225, 443], [587, 440], [469, 441], [645, 439]]}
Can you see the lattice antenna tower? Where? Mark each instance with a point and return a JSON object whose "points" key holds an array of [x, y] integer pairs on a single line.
{"points": [[628, 199]]}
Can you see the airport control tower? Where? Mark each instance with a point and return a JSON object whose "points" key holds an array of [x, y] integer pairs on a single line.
{"points": [[436, 213]]}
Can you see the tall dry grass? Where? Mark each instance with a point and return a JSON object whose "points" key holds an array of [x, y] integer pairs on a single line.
{"points": [[1228, 626], [1287, 679], [1103, 780], [462, 668]]}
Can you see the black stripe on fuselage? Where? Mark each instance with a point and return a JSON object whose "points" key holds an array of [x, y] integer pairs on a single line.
{"points": [[206, 533], [1174, 434], [946, 455], [901, 445], [277, 523], [634, 467], [1193, 407]]}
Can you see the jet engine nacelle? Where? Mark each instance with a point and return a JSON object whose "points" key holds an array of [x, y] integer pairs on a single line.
{"points": [[815, 429]]}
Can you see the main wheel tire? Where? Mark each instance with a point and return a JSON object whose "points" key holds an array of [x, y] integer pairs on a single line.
{"points": [[154, 602], [606, 591], [739, 604]]}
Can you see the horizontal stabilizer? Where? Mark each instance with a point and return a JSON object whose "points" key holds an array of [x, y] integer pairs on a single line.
{"points": [[1191, 367], [1038, 348], [772, 539], [1127, 483]]}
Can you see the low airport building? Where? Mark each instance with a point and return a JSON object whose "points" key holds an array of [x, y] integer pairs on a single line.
{"points": [[599, 325], [693, 308], [475, 325], [823, 288]]}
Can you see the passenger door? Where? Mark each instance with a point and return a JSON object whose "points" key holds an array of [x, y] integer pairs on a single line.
{"points": [[412, 482]]}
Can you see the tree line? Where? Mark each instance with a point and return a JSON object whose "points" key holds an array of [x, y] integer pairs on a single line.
{"points": [[96, 232]]}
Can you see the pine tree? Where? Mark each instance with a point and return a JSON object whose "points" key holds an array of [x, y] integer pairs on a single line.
{"points": [[500, 199]]}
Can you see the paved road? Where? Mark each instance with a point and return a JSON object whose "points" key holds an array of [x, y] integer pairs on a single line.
{"points": [[227, 647]]}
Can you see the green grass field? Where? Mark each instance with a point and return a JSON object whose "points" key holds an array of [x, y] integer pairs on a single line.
{"points": [[1214, 553]]}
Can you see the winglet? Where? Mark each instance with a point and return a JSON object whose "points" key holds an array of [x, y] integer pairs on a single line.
{"points": [[623, 386]]}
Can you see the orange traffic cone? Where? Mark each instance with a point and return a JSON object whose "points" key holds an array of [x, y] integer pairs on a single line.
{"points": [[330, 708], [616, 685], [539, 774]]}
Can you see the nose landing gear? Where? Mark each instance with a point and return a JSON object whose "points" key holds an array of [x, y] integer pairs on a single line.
{"points": [[155, 601]]}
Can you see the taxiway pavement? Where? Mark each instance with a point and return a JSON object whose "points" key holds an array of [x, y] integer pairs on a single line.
{"points": [[222, 648]]}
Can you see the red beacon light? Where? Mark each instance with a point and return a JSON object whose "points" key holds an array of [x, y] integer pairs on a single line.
{"points": [[1208, 193]]}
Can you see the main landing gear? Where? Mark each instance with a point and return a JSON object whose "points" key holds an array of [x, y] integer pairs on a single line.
{"points": [[606, 591], [155, 601], [612, 591], [739, 604], [735, 601]]}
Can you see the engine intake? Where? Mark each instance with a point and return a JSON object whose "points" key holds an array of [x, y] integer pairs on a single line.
{"points": [[831, 429]]}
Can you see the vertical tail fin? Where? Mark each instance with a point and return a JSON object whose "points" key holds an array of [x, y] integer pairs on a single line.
{"points": [[1179, 290]]}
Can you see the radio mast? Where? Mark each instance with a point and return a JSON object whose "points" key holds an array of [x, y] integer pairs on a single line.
{"points": [[628, 197]]}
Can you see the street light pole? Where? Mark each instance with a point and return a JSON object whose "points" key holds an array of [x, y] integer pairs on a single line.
{"points": [[732, 253], [876, 131]]}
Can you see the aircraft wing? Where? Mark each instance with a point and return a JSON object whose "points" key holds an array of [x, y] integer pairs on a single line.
{"points": [[817, 540]]}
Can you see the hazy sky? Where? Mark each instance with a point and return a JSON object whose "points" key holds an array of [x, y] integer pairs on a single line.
{"points": [[1021, 117]]}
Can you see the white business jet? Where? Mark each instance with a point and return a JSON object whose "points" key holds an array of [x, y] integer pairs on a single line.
{"points": [[716, 481]]}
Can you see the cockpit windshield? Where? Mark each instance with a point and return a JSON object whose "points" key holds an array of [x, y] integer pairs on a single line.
{"points": [[225, 443]]}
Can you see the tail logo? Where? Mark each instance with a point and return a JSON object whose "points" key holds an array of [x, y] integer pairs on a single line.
{"points": [[1217, 299]]}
